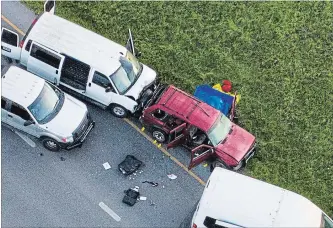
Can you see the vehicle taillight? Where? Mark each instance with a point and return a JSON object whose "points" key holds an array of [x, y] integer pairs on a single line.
{"points": [[21, 43], [194, 225]]}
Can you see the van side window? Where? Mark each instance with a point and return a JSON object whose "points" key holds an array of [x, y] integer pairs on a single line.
{"points": [[3, 103], [101, 80], [45, 56], [27, 47], [19, 111]]}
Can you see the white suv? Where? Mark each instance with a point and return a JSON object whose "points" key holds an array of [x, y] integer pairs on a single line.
{"points": [[31, 105]]}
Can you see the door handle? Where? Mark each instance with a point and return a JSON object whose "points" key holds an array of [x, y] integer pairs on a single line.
{"points": [[56, 71], [89, 84], [10, 116]]}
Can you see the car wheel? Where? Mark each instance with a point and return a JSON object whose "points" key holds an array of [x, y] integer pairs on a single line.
{"points": [[218, 163], [51, 144], [159, 135], [118, 111]]}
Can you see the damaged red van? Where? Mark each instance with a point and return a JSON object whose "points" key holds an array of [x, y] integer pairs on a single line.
{"points": [[177, 118]]}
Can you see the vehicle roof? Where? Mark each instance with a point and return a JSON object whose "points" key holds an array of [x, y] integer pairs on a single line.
{"points": [[195, 111], [21, 86], [69, 38], [249, 202]]}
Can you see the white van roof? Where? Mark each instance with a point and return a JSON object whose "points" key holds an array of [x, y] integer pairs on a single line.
{"points": [[248, 202], [21, 86], [69, 38]]}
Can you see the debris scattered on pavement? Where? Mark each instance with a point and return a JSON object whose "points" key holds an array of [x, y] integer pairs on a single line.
{"points": [[107, 166], [172, 176], [205, 165], [163, 186], [62, 158], [41, 154], [152, 203], [129, 165], [143, 198], [154, 184], [131, 196]]}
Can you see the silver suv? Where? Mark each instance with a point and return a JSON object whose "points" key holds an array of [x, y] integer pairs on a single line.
{"points": [[32, 105]]}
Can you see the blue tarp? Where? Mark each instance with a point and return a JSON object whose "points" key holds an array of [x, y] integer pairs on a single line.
{"points": [[214, 98]]}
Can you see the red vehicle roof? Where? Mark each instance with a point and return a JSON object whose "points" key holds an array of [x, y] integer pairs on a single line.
{"points": [[187, 107]]}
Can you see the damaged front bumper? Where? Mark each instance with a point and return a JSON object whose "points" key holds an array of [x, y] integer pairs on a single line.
{"points": [[146, 94]]}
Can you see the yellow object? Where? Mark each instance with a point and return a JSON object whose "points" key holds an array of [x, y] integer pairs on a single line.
{"points": [[143, 128], [205, 165], [155, 142], [159, 145], [219, 88]]}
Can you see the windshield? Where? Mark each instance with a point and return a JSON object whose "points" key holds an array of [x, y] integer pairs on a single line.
{"points": [[127, 73], [326, 222], [45, 104], [220, 130]]}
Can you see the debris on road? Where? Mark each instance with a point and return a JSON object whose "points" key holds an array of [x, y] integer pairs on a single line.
{"points": [[131, 196], [142, 198], [172, 176], [41, 154], [62, 159], [152, 203], [154, 184], [106, 165], [129, 165]]}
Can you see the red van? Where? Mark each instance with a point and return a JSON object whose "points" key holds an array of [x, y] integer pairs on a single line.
{"points": [[178, 118]]}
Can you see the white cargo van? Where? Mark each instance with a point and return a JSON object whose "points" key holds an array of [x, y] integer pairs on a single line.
{"points": [[83, 63], [235, 200], [31, 105]]}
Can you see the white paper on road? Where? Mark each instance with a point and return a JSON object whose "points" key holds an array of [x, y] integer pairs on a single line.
{"points": [[143, 198], [26, 139], [109, 211], [107, 165], [172, 176]]}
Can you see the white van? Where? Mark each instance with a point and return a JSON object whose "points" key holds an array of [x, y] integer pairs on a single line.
{"points": [[31, 105], [235, 200], [83, 63]]}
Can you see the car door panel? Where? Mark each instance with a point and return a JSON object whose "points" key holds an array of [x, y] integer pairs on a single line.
{"points": [[45, 63], [200, 154], [10, 44], [97, 86], [177, 136]]}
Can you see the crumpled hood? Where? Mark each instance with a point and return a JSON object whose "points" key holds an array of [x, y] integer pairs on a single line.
{"points": [[238, 143], [69, 117], [147, 76]]}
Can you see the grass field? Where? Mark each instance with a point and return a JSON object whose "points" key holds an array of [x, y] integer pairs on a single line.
{"points": [[279, 56]]}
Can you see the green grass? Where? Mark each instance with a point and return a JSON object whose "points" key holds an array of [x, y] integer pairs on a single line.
{"points": [[278, 55]]}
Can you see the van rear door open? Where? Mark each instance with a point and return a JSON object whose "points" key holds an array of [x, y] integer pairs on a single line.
{"points": [[45, 63], [10, 44], [49, 6]]}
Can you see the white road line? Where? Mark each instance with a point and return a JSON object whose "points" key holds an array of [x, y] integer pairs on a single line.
{"points": [[26, 139], [109, 211]]}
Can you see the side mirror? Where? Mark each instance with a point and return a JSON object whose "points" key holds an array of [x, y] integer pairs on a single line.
{"points": [[138, 55], [108, 89], [28, 122]]}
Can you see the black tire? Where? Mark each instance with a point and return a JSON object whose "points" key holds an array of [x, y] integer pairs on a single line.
{"points": [[118, 111], [159, 135], [218, 163], [51, 144]]}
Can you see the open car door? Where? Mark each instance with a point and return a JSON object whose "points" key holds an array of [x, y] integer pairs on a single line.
{"points": [[200, 154], [49, 6], [233, 111], [130, 45], [177, 136], [10, 44], [45, 63]]}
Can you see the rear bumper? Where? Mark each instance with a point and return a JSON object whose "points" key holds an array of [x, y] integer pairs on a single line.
{"points": [[79, 141]]}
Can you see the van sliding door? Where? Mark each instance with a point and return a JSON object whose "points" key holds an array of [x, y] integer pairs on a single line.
{"points": [[45, 63]]}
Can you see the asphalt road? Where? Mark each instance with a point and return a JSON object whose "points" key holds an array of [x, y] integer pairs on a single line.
{"points": [[44, 189]]}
